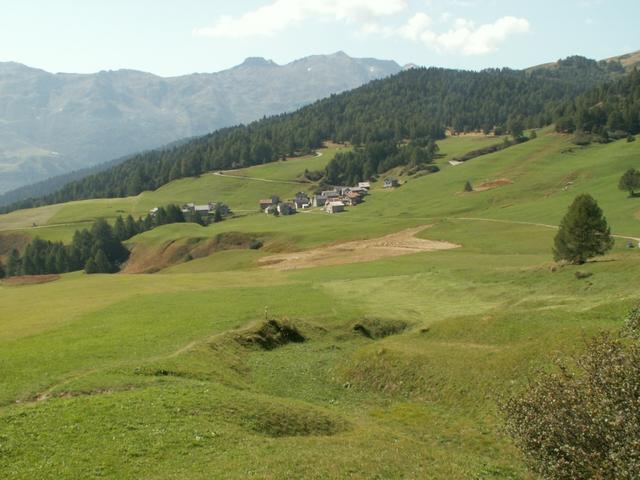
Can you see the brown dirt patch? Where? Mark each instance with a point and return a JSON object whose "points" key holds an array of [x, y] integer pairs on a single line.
{"points": [[151, 259], [500, 182], [30, 279], [637, 215], [9, 241], [401, 243]]}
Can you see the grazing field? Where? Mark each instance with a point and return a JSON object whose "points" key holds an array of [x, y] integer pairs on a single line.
{"points": [[385, 368], [58, 222]]}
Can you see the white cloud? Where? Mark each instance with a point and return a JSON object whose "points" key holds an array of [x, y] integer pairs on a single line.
{"points": [[416, 25], [445, 17], [463, 37], [281, 14]]}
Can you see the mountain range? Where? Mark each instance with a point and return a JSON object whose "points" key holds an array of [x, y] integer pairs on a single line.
{"points": [[55, 123]]}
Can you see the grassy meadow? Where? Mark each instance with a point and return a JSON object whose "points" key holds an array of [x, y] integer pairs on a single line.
{"points": [[154, 375]]}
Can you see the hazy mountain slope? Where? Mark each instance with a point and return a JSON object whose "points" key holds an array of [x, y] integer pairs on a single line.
{"points": [[53, 123], [628, 60], [415, 104], [606, 66]]}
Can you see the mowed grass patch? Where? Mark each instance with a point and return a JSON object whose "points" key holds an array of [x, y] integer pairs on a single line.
{"points": [[291, 169], [140, 327], [457, 145], [199, 432]]}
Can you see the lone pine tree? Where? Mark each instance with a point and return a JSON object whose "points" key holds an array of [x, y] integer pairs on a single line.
{"points": [[584, 232]]}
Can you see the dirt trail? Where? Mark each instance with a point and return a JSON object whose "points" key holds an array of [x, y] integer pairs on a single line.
{"points": [[44, 395], [401, 243], [555, 227], [243, 177], [490, 185]]}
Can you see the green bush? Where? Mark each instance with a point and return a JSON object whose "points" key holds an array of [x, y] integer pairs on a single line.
{"points": [[583, 420], [255, 244]]}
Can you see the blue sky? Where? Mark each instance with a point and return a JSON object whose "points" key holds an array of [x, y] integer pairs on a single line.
{"points": [[179, 37]]}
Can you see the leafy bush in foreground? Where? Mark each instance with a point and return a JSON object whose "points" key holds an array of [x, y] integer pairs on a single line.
{"points": [[583, 421]]}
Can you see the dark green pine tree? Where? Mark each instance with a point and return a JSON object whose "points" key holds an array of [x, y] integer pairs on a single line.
{"points": [[120, 229], [62, 260], [147, 224], [105, 240], [14, 264], [217, 215], [3, 273], [161, 217], [174, 214], [197, 218], [630, 181], [102, 263], [468, 187], [131, 227], [584, 232], [91, 267]]}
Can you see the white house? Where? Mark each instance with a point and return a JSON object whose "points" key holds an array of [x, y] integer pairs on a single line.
{"points": [[334, 207]]}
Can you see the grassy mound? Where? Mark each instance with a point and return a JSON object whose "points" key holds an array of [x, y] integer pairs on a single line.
{"points": [[147, 258], [291, 419], [379, 327], [271, 334], [386, 371]]}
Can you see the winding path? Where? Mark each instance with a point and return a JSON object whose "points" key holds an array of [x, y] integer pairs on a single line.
{"points": [[555, 227], [257, 179]]}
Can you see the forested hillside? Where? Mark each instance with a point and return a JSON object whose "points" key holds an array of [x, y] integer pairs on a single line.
{"points": [[611, 109], [53, 123], [417, 104]]}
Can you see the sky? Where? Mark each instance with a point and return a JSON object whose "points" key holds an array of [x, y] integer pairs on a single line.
{"points": [[171, 37]]}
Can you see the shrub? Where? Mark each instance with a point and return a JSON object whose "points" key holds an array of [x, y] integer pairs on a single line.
{"points": [[379, 328], [582, 139], [582, 421], [271, 334], [255, 244], [632, 324]]}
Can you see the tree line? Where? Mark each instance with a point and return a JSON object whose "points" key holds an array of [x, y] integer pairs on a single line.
{"points": [[412, 105], [365, 162], [609, 111], [99, 249]]}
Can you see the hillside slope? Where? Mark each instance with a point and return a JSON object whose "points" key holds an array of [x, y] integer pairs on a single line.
{"points": [[54, 123], [417, 104], [390, 368]]}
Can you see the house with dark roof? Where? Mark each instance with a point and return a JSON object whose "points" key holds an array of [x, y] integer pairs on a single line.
{"points": [[391, 182], [318, 200], [302, 200]]}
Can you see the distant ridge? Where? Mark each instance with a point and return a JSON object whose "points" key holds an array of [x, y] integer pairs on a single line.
{"points": [[51, 124], [627, 60]]}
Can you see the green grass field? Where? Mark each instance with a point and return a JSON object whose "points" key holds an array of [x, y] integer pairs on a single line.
{"points": [[146, 376]]}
